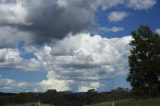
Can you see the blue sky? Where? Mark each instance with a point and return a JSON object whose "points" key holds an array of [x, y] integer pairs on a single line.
{"points": [[69, 45], [134, 19]]}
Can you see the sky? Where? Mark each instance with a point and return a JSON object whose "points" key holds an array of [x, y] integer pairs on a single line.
{"points": [[69, 45]]}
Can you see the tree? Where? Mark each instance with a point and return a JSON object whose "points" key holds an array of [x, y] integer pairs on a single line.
{"points": [[119, 94], [144, 60]]}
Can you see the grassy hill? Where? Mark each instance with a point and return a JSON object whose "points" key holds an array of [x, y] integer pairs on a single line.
{"points": [[153, 102]]}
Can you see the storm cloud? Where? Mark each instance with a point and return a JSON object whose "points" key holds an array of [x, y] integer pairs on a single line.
{"points": [[45, 20]]}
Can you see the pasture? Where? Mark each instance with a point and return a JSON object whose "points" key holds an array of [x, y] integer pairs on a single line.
{"points": [[153, 102], [28, 104], [149, 102]]}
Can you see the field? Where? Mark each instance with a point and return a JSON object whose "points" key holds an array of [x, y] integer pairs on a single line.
{"points": [[154, 102], [28, 104]]}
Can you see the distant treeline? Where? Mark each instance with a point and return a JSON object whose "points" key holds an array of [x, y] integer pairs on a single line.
{"points": [[64, 98]]}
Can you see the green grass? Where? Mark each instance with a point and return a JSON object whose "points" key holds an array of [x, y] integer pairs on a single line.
{"points": [[28, 104], [103, 104], [154, 102]]}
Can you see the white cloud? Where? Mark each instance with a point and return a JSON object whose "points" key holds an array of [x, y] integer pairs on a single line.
{"points": [[117, 29], [13, 13], [85, 86], [19, 19], [117, 16], [78, 57], [113, 29], [10, 37], [91, 55], [62, 3], [52, 83], [9, 58], [8, 85], [141, 4], [105, 4], [158, 31]]}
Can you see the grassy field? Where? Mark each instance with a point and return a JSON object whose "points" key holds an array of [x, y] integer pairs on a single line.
{"points": [[154, 102], [28, 104]]}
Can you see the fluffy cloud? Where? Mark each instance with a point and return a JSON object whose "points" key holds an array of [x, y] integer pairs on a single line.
{"points": [[55, 19], [9, 58], [10, 37], [105, 4], [158, 31], [117, 16], [84, 57], [91, 56], [85, 86], [79, 57], [12, 12], [52, 83], [141, 4], [13, 85]]}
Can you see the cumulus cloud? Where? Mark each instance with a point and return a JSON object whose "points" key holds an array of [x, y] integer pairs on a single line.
{"points": [[158, 31], [117, 16], [52, 83], [11, 59], [10, 37], [141, 4], [12, 12], [85, 56], [85, 86], [7, 85], [75, 58], [106, 4], [47, 20]]}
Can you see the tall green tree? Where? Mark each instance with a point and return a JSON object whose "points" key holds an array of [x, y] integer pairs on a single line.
{"points": [[144, 60]]}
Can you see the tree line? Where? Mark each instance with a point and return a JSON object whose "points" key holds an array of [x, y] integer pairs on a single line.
{"points": [[64, 98]]}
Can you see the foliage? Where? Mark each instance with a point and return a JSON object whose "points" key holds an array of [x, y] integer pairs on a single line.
{"points": [[144, 62], [91, 97], [119, 94], [55, 98]]}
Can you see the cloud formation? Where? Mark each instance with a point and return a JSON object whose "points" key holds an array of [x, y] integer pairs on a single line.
{"points": [[141, 4], [81, 57], [117, 16], [8, 85], [158, 31], [12, 12], [113, 29], [52, 83], [74, 58], [47, 20]]}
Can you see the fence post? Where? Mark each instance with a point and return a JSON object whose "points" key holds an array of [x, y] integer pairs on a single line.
{"points": [[39, 104], [113, 103]]}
